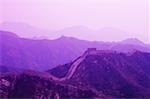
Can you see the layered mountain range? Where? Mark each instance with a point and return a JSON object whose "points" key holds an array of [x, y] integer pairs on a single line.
{"points": [[82, 32], [45, 54]]}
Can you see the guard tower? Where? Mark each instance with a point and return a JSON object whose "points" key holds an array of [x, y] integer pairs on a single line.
{"points": [[91, 51]]}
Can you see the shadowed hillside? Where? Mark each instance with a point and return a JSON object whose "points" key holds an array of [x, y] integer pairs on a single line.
{"points": [[114, 73], [31, 85]]}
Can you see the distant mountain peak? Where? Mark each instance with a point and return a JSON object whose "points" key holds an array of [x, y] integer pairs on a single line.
{"points": [[6, 33], [63, 37], [79, 27], [133, 41]]}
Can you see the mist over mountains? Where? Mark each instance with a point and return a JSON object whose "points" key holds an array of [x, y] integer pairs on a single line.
{"points": [[81, 32], [74, 49]]}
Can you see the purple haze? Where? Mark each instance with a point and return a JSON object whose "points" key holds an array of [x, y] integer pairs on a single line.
{"points": [[130, 16]]}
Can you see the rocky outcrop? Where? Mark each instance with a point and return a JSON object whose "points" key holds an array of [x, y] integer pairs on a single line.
{"points": [[26, 85]]}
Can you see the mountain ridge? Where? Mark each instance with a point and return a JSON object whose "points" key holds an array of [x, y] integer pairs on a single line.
{"points": [[22, 51], [28, 31]]}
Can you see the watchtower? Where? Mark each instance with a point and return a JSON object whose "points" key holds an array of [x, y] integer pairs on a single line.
{"points": [[91, 51]]}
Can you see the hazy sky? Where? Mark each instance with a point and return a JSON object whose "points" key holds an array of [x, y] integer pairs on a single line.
{"points": [[128, 15]]}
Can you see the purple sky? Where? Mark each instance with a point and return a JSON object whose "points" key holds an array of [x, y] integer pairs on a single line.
{"points": [[127, 15]]}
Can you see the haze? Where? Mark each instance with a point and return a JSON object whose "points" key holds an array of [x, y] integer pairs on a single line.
{"points": [[130, 16]]}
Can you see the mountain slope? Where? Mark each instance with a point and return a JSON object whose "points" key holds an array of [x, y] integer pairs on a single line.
{"points": [[26, 30], [36, 54], [30, 85], [115, 74], [133, 41]]}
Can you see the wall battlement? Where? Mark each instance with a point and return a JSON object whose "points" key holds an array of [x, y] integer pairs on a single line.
{"points": [[94, 51]]}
